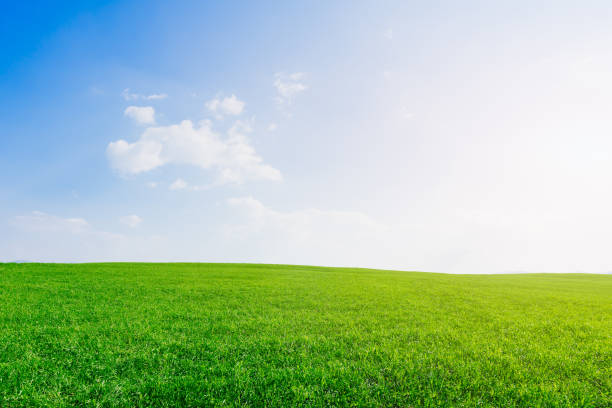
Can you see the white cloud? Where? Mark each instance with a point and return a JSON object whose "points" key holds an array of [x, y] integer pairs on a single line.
{"points": [[144, 115], [388, 34], [288, 86], [233, 157], [301, 221], [42, 237], [134, 158], [304, 236], [179, 184], [131, 221], [272, 127], [227, 106], [346, 238], [152, 184], [38, 221], [129, 96], [156, 96]]}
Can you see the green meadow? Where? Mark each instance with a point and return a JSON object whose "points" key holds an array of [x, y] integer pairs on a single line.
{"points": [[198, 335]]}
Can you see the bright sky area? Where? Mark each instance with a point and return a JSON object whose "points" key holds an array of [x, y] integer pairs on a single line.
{"points": [[461, 137]]}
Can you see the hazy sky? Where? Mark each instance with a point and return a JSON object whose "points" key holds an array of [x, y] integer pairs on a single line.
{"points": [[469, 137]]}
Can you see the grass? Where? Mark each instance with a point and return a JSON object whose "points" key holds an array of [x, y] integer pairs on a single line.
{"points": [[166, 335]]}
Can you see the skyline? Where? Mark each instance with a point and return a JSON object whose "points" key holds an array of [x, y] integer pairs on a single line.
{"points": [[470, 138]]}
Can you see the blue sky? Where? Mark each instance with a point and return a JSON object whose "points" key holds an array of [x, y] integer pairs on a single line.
{"points": [[441, 136]]}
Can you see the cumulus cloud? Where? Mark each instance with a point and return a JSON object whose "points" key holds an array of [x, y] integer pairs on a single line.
{"points": [[130, 96], [288, 86], [144, 115], [233, 158], [131, 221], [227, 106]]}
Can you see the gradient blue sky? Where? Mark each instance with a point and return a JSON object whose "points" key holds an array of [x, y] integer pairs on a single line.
{"points": [[441, 136]]}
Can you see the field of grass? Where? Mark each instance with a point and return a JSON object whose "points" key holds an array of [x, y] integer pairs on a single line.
{"points": [[141, 335]]}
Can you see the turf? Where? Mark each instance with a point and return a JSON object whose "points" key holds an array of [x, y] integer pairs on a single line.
{"points": [[153, 335]]}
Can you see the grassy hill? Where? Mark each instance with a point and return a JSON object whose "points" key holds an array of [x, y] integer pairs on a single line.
{"points": [[270, 335]]}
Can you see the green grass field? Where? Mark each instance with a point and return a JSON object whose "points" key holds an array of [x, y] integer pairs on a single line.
{"points": [[125, 335]]}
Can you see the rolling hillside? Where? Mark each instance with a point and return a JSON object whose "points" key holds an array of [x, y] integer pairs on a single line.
{"points": [[165, 335]]}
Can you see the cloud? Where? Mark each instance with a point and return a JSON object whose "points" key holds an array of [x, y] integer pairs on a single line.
{"points": [[227, 106], [152, 184], [301, 222], [288, 86], [388, 34], [39, 222], [129, 96], [179, 184], [304, 236], [156, 96], [233, 158], [144, 115], [42, 237], [131, 221], [51, 229], [272, 127], [315, 236]]}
